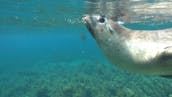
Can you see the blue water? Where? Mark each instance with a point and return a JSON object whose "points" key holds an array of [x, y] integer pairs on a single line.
{"points": [[46, 51]]}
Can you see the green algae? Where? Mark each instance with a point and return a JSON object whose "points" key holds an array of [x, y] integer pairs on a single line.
{"points": [[81, 78]]}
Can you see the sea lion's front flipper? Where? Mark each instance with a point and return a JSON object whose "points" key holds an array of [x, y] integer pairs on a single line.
{"points": [[167, 76], [166, 54], [168, 49], [166, 59]]}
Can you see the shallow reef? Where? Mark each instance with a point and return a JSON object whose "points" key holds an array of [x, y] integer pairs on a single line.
{"points": [[81, 78]]}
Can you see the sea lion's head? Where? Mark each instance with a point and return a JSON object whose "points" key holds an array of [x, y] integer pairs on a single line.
{"points": [[103, 29], [99, 26]]}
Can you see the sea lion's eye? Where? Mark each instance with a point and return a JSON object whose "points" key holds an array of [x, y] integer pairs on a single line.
{"points": [[101, 20]]}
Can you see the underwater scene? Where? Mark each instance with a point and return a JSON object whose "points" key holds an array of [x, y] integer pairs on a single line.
{"points": [[47, 51]]}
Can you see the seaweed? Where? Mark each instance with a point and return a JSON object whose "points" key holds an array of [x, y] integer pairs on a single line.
{"points": [[88, 93], [68, 92], [20, 90], [112, 91], [44, 92], [84, 79]]}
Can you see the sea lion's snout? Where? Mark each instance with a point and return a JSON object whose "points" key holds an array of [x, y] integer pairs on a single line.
{"points": [[88, 22], [85, 19]]}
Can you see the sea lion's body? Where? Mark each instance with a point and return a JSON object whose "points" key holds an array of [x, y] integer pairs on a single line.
{"points": [[148, 52]]}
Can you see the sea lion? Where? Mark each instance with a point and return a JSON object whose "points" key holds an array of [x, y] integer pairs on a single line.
{"points": [[139, 51]]}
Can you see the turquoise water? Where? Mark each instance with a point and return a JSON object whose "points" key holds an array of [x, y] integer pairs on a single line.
{"points": [[46, 51]]}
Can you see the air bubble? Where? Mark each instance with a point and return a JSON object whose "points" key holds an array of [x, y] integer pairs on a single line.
{"points": [[73, 20]]}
